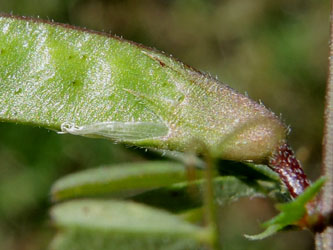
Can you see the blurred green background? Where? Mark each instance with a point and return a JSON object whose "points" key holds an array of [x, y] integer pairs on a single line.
{"points": [[276, 51]]}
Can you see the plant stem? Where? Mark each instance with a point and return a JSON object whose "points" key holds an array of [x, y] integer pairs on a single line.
{"points": [[324, 240], [211, 213], [211, 217]]}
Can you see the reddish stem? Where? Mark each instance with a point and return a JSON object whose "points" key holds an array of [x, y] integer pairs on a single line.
{"points": [[289, 169], [284, 162]]}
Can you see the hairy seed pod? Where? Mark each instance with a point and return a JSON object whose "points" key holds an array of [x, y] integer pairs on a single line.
{"points": [[93, 84]]}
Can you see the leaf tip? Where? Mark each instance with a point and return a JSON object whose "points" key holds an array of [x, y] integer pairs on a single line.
{"points": [[268, 232]]}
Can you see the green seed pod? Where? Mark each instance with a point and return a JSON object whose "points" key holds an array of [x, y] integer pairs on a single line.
{"points": [[93, 84]]}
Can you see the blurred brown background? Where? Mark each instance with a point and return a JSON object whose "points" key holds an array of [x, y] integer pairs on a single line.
{"points": [[276, 51]]}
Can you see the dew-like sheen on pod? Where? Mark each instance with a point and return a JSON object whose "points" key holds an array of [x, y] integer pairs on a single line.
{"points": [[92, 84]]}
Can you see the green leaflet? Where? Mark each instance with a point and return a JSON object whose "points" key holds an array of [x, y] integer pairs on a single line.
{"points": [[165, 184], [119, 180], [291, 213], [97, 224], [188, 195], [92, 84], [85, 239], [120, 216]]}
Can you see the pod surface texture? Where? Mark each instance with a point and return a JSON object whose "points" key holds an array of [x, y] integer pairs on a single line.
{"points": [[93, 84]]}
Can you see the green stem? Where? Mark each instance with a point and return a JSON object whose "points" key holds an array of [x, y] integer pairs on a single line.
{"points": [[211, 216]]}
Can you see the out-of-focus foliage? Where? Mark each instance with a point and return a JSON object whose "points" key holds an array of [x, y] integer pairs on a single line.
{"points": [[276, 51], [123, 180], [108, 225]]}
